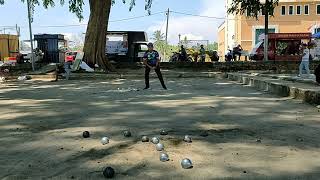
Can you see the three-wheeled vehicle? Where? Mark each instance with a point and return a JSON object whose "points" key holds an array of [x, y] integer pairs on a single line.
{"points": [[126, 46]]}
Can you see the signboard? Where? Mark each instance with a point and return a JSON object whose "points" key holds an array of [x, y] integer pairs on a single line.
{"points": [[289, 35], [117, 47]]}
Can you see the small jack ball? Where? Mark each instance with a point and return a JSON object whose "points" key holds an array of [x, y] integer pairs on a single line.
{"points": [[108, 172], [86, 134]]}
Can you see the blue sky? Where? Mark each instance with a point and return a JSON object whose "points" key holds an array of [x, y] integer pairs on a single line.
{"points": [[15, 12]]}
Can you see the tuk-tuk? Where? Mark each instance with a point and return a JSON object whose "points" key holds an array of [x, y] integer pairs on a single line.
{"points": [[126, 46]]}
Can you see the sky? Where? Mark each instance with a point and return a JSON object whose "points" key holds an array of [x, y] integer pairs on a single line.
{"points": [[195, 28]]}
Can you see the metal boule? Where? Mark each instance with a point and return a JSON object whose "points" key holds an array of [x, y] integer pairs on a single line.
{"points": [[155, 140], [186, 163], [144, 139], [86, 134], [104, 140], [159, 147], [163, 132], [164, 157], [108, 172], [187, 139], [127, 133]]}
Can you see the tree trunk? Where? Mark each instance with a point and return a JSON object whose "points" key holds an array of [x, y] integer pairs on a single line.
{"points": [[95, 40]]}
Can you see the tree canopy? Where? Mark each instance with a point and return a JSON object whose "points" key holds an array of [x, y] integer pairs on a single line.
{"points": [[251, 8], [76, 6]]}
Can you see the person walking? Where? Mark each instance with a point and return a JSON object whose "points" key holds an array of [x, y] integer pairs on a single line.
{"points": [[202, 54], [305, 60], [151, 60]]}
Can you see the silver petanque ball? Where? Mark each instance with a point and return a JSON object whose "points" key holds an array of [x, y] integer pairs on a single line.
{"points": [[159, 147], [187, 139], [186, 163], [155, 140], [164, 157], [126, 133], [144, 139], [163, 132], [104, 140]]}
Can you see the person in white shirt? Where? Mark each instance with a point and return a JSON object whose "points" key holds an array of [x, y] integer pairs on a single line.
{"points": [[305, 60]]}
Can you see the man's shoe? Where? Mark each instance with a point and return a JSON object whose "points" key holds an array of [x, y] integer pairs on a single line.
{"points": [[146, 88]]}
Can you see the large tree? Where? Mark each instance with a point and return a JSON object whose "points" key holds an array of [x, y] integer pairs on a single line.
{"points": [[95, 40], [251, 7]]}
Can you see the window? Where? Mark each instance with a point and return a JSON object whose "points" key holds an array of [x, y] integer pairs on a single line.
{"points": [[306, 9], [318, 9], [283, 10], [317, 30], [298, 10], [291, 12]]}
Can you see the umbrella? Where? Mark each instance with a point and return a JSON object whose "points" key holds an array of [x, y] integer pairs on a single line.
{"points": [[317, 35]]}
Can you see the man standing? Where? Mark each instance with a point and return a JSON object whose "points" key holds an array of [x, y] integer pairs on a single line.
{"points": [[202, 54], [151, 60], [305, 60]]}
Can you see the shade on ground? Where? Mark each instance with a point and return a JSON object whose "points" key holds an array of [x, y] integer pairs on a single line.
{"points": [[41, 127]]}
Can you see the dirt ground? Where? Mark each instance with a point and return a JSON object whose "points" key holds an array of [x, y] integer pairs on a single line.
{"points": [[251, 134]]}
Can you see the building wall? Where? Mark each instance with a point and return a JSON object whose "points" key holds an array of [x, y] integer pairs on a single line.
{"points": [[221, 41], [243, 28]]}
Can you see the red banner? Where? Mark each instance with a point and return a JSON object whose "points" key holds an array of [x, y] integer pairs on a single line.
{"points": [[289, 35]]}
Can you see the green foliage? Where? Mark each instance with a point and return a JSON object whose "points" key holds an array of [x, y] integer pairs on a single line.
{"points": [[213, 46], [251, 8], [76, 6]]}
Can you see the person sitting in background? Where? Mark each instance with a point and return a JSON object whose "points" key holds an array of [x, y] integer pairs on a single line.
{"points": [[183, 54], [228, 56], [202, 54], [237, 51]]}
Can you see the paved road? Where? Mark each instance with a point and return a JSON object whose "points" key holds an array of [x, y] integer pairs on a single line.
{"points": [[251, 134]]}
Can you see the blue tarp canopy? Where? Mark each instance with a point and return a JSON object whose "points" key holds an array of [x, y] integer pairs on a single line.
{"points": [[317, 35]]}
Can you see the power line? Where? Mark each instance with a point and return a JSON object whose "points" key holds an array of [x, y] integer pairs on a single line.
{"points": [[223, 18], [85, 24]]}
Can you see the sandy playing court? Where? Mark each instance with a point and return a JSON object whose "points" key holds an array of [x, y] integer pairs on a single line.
{"points": [[251, 134]]}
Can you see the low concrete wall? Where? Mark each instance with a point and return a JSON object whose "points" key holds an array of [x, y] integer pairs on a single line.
{"points": [[305, 92], [277, 67]]}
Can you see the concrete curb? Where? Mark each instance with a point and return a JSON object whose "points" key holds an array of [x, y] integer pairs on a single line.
{"points": [[307, 93]]}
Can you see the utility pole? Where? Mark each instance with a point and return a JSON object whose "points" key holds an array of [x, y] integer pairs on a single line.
{"points": [[266, 30], [30, 31], [179, 39], [168, 14]]}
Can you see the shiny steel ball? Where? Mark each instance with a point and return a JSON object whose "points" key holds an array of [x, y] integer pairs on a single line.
{"points": [[163, 132], [144, 139], [187, 139], [127, 133], [186, 163], [164, 157], [104, 140], [155, 140], [159, 147]]}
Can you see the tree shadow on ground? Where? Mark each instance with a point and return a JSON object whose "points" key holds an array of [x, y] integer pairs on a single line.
{"points": [[38, 119]]}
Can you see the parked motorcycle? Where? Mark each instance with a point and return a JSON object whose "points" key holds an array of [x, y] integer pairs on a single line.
{"points": [[176, 57]]}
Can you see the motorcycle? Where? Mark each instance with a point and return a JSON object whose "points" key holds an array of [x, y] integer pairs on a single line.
{"points": [[176, 57]]}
